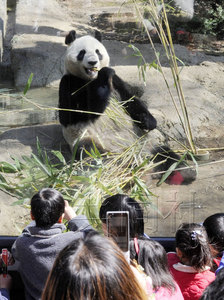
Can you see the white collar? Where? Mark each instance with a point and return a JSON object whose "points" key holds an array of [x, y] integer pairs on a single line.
{"points": [[188, 269]]}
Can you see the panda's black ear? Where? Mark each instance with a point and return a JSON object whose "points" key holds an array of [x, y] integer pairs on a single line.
{"points": [[70, 37], [98, 35]]}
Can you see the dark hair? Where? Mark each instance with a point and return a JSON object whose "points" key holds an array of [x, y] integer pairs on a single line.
{"points": [[47, 206], [192, 241], [121, 202], [152, 257], [214, 226], [93, 268], [215, 290]]}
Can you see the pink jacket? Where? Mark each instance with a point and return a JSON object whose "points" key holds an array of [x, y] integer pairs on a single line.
{"points": [[165, 294], [191, 282]]}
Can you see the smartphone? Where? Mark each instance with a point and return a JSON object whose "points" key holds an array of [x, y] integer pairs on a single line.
{"points": [[4, 262], [118, 229]]}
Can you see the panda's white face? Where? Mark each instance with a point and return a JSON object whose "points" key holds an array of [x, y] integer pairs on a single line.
{"points": [[85, 57]]}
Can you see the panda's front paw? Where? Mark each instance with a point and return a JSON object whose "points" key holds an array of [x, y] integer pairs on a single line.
{"points": [[139, 112], [147, 121], [106, 73]]}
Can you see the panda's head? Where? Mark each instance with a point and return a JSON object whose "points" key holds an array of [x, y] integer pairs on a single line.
{"points": [[85, 56]]}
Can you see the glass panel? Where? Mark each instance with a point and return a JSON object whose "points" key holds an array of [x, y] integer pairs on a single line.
{"points": [[32, 54]]}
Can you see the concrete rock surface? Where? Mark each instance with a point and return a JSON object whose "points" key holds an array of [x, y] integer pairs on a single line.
{"points": [[38, 43]]}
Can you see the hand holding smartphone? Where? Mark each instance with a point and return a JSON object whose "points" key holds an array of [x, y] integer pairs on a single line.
{"points": [[118, 229]]}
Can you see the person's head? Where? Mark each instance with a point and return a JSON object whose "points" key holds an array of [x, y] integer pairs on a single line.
{"points": [[152, 257], [121, 202], [93, 268], [215, 290], [192, 245], [214, 226], [47, 207]]}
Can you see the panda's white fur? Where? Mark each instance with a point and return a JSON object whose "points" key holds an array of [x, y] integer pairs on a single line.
{"points": [[94, 59]]}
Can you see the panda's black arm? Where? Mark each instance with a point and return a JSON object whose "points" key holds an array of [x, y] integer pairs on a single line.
{"points": [[64, 100], [76, 94], [69, 101], [135, 107]]}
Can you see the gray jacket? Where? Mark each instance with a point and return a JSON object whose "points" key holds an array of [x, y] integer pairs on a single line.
{"points": [[37, 248]]}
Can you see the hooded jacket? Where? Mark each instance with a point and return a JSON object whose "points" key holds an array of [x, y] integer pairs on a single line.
{"points": [[36, 249]]}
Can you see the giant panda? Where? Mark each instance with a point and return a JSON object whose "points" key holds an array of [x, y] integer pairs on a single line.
{"points": [[85, 95], [87, 85]]}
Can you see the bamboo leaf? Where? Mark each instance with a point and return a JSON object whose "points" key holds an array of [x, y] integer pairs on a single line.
{"points": [[171, 169], [167, 174], [18, 164], [39, 150], [93, 153], [19, 202], [60, 156], [99, 173], [2, 179], [155, 66], [6, 167], [88, 153], [81, 178], [6, 186], [41, 165], [29, 161], [75, 149], [141, 185], [29, 81], [48, 163], [136, 50], [96, 150]]}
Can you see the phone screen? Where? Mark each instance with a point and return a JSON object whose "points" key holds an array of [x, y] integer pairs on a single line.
{"points": [[118, 228]]}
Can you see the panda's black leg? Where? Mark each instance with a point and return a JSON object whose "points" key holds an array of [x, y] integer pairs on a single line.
{"points": [[184, 175], [135, 107]]}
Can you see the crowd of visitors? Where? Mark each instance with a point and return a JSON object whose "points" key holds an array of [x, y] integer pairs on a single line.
{"points": [[78, 263]]}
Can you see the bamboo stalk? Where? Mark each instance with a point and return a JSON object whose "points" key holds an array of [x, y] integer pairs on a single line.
{"points": [[167, 43]]}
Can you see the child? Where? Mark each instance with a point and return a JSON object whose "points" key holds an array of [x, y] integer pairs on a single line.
{"points": [[152, 257], [214, 226], [120, 202], [190, 265], [43, 239]]}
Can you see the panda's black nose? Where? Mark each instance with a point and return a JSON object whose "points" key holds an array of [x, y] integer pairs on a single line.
{"points": [[92, 63]]}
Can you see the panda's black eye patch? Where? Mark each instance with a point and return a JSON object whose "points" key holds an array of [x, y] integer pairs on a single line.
{"points": [[81, 55], [99, 54]]}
